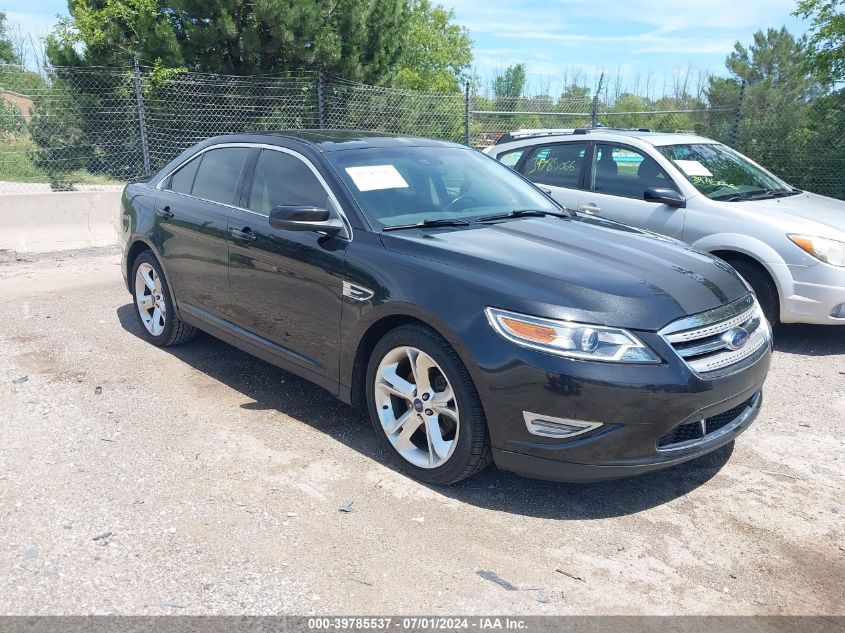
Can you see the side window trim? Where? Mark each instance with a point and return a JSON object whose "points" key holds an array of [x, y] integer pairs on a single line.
{"points": [[248, 176], [261, 146], [168, 182], [586, 175], [590, 181]]}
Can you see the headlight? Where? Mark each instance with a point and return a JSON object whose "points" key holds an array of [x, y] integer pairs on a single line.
{"points": [[572, 340], [825, 249]]}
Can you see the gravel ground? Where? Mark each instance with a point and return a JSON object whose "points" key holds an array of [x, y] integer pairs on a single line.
{"points": [[197, 479]]}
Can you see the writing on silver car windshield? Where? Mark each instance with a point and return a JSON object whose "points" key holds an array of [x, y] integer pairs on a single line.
{"points": [[720, 173]]}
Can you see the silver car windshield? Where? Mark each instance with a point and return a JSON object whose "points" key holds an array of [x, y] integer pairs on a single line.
{"points": [[398, 186], [721, 173]]}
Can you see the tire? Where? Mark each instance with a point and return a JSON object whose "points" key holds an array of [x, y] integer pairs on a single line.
{"points": [[762, 285], [451, 441], [160, 324]]}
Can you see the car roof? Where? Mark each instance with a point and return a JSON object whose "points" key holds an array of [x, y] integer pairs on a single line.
{"points": [[336, 140], [604, 134]]}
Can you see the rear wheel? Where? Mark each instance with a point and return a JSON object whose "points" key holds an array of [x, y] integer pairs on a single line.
{"points": [[425, 408], [154, 305], [762, 285]]}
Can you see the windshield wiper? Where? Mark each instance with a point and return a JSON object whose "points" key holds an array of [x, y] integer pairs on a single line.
{"points": [[781, 193], [730, 197], [766, 194], [427, 223], [522, 213], [762, 195]]}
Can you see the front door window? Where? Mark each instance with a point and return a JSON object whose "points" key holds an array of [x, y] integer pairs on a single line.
{"points": [[624, 171]]}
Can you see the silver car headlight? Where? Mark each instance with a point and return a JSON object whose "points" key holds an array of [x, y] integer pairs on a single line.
{"points": [[571, 340], [823, 248]]}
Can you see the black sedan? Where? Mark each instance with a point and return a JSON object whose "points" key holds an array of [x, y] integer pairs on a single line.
{"points": [[473, 317]]}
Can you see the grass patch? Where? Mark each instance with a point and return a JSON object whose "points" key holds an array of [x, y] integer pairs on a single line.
{"points": [[16, 160], [17, 164]]}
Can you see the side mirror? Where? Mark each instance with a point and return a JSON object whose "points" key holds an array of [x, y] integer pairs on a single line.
{"points": [[305, 218], [664, 195]]}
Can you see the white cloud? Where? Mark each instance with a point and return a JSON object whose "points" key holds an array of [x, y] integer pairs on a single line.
{"points": [[661, 34]]}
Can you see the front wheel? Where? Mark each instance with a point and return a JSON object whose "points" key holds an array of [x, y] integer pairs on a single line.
{"points": [[425, 408]]}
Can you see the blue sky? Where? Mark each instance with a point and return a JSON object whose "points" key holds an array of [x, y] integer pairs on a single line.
{"points": [[562, 39]]}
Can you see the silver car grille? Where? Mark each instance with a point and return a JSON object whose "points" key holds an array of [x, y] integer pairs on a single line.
{"points": [[721, 341]]}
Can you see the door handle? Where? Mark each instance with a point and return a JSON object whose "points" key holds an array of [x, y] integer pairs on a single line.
{"points": [[164, 212], [244, 234], [590, 208]]}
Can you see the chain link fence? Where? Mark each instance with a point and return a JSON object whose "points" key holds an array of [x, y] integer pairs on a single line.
{"points": [[97, 127]]}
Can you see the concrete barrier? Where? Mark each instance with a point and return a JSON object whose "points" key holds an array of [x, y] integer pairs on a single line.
{"points": [[40, 222]]}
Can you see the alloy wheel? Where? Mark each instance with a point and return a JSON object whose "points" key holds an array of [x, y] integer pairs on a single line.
{"points": [[149, 299], [416, 407]]}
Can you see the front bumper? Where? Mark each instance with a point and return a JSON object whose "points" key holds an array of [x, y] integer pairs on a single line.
{"points": [[816, 291], [556, 470], [636, 404]]}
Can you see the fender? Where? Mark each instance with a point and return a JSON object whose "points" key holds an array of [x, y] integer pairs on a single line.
{"points": [[757, 250], [352, 342]]}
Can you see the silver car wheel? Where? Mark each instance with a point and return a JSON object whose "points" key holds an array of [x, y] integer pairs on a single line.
{"points": [[416, 407], [149, 299]]}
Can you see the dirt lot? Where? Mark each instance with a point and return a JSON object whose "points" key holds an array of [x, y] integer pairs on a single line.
{"points": [[214, 481]]}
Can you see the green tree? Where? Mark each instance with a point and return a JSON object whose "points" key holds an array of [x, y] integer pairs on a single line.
{"points": [[437, 54], [722, 99], [776, 57], [112, 32], [356, 39], [509, 84], [775, 111], [827, 39], [573, 94], [626, 104], [7, 50]]}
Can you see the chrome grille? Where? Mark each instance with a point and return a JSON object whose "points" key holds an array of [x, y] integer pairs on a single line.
{"points": [[708, 342]]}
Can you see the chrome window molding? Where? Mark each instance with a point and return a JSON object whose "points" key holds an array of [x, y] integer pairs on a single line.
{"points": [[274, 148]]}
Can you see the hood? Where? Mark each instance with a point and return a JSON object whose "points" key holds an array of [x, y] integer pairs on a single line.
{"points": [[583, 269], [807, 206]]}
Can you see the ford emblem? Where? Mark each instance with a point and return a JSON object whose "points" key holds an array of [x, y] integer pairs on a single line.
{"points": [[735, 338]]}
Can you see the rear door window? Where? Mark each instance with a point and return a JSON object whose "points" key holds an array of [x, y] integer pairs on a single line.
{"points": [[558, 165], [219, 174]]}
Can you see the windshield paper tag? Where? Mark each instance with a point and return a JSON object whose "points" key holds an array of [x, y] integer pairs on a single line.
{"points": [[372, 177], [693, 168]]}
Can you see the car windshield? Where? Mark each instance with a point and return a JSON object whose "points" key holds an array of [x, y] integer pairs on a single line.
{"points": [[399, 186], [721, 173]]}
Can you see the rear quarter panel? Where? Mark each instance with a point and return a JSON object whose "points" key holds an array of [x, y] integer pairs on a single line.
{"points": [[137, 219]]}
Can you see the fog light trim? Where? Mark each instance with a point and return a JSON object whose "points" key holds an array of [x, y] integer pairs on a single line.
{"points": [[838, 312], [559, 428]]}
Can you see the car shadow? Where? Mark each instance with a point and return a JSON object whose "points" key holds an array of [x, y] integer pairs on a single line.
{"points": [[271, 388], [810, 340]]}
